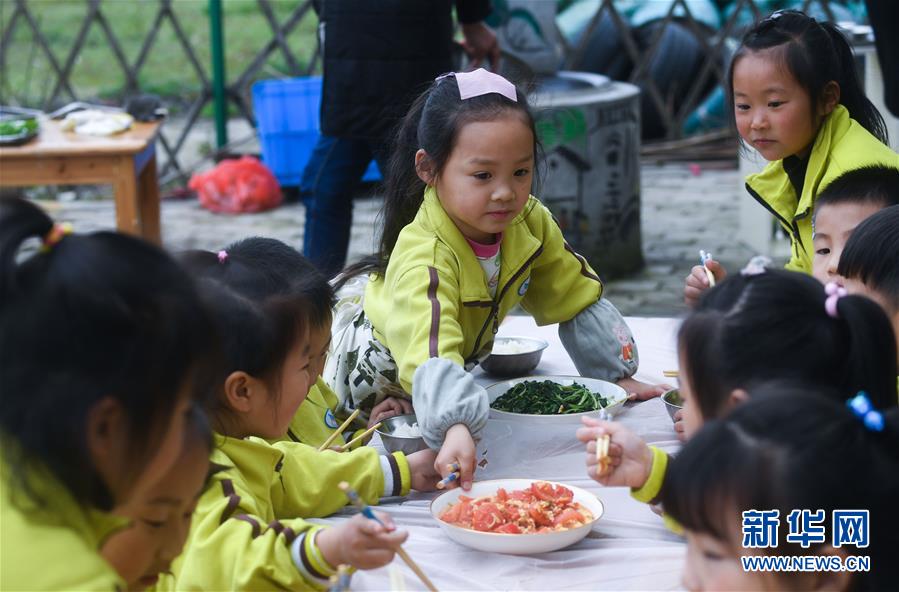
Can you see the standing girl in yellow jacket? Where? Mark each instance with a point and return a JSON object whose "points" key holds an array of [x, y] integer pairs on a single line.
{"points": [[102, 339], [463, 243], [797, 100]]}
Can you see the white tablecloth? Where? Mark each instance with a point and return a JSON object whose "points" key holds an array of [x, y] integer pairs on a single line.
{"points": [[628, 549]]}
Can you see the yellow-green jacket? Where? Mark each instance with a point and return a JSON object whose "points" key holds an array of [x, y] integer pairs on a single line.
{"points": [[318, 417], [433, 301], [52, 542], [841, 145], [247, 531]]}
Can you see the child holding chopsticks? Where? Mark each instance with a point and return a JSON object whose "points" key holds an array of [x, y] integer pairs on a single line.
{"points": [[794, 91], [749, 330], [463, 244], [102, 339], [248, 530], [321, 419]]}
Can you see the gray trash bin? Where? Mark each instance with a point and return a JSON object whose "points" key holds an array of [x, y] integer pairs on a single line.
{"points": [[590, 130]]}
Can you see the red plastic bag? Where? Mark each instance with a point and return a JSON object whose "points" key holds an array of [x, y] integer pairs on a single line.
{"points": [[235, 186]]}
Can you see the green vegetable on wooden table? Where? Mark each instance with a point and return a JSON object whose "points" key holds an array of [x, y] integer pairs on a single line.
{"points": [[12, 127], [549, 398]]}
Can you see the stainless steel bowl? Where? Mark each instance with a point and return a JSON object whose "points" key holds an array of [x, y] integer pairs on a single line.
{"points": [[402, 444], [514, 364], [673, 402]]}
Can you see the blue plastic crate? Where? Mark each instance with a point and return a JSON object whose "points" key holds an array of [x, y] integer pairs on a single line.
{"points": [[287, 121]]}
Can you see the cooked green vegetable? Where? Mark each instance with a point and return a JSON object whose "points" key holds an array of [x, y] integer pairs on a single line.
{"points": [[13, 127], [674, 397], [549, 398]]}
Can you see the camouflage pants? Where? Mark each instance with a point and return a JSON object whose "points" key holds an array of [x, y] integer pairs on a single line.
{"points": [[359, 369]]}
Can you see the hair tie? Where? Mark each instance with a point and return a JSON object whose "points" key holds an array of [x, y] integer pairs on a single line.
{"points": [[223, 256], [834, 292], [56, 234], [481, 82], [862, 408]]}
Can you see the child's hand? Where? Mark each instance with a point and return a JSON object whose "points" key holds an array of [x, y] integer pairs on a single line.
{"points": [[640, 391], [680, 426], [458, 447], [698, 282], [630, 459], [389, 407], [361, 542], [424, 475]]}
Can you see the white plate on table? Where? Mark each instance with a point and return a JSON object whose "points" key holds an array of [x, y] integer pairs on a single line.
{"points": [[514, 544], [614, 393]]}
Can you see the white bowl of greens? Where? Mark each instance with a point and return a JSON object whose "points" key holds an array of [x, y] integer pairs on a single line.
{"points": [[554, 399]]}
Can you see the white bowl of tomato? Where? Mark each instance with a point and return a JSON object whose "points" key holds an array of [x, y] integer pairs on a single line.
{"points": [[517, 516]]}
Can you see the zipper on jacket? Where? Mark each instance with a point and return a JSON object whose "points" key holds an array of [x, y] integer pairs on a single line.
{"points": [[793, 227], [494, 310]]}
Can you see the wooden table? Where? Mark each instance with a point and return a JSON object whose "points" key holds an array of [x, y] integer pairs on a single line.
{"points": [[126, 160]]}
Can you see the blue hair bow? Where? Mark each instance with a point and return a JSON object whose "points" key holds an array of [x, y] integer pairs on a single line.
{"points": [[861, 406]]}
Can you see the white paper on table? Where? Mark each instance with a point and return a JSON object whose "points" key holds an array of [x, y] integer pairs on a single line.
{"points": [[629, 548]]}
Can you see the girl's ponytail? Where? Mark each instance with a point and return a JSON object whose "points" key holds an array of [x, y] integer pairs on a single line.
{"points": [[871, 350], [20, 220], [852, 95], [404, 190]]}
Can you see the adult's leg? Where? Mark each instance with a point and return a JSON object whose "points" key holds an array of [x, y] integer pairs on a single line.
{"points": [[329, 181]]}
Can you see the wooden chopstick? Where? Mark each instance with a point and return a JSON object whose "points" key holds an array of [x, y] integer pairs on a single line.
{"points": [[339, 430], [364, 434], [414, 567], [367, 512], [602, 452], [710, 275], [670, 373]]}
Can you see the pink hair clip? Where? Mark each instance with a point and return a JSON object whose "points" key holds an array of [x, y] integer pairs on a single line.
{"points": [[223, 256], [834, 292], [481, 82]]}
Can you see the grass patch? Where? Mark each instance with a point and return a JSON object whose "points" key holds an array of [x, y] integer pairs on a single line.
{"points": [[27, 77]]}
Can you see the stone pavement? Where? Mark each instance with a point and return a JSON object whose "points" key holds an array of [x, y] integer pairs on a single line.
{"points": [[682, 212]]}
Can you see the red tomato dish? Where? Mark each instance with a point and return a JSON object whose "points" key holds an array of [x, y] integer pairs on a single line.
{"points": [[542, 507]]}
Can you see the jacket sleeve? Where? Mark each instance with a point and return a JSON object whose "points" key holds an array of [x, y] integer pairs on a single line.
{"points": [[308, 486], [562, 283], [444, 394], [231, 547], [600, 343], [426, 325]]}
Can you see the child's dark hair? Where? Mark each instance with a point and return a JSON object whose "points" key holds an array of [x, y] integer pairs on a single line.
{"points": [[790, 448], [876, 185], [281, 262], [432, 124], [94, 316], [774, 326], [197, 430], [871, 254], [259, 312], [815, 53]]}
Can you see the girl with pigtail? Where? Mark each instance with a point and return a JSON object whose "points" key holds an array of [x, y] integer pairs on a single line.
{"points": [[791, 449], [754, 328], [797, 100], [463, 243], [105, 350]]}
